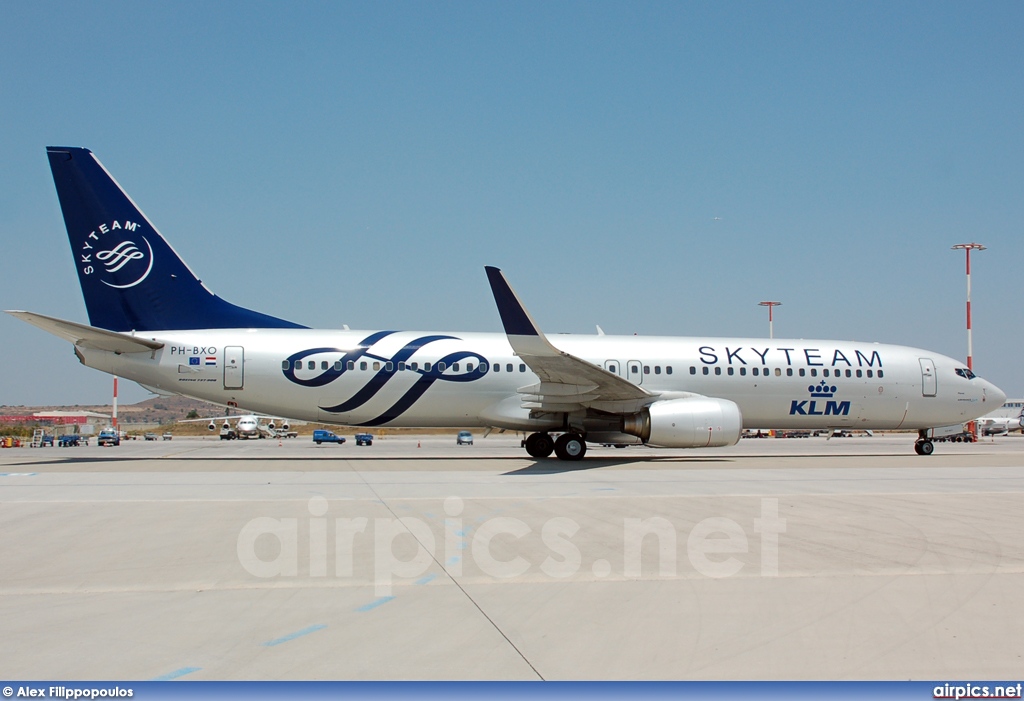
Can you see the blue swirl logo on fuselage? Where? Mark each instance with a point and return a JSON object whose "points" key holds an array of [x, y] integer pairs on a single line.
{"points": [[388, 369]]}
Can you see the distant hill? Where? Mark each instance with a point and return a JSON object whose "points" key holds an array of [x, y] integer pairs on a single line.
{"points": [[158, 410]]}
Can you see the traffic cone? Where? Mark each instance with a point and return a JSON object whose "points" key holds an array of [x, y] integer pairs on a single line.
{"points": [[417, 444]]}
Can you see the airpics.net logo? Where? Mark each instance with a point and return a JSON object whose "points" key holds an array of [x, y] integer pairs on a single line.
{"points": [[117, 261], [496, 546]]}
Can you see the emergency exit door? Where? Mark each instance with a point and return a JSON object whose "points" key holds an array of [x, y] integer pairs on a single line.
{"points": [[234, 361]]}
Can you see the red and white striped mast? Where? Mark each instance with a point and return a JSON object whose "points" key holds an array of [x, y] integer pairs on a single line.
{"points": [[967, 248], [770, 305]]}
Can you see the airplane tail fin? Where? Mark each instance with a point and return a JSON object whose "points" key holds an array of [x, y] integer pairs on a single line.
{"points": [[131, 278]]}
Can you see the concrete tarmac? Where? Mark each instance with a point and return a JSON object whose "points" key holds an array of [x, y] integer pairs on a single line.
{"points": [[851, 558]]}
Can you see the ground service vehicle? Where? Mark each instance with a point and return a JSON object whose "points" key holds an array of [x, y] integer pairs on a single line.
{"points": [[321, 436]]}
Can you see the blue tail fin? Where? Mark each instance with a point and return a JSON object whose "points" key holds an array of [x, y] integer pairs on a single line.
{"points": [[131, 278]]}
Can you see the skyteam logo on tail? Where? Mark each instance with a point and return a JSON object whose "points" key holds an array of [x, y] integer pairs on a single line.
{"points": [[118, 261], [810, 407]]}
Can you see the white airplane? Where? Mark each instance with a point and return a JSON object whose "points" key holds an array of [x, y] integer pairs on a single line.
{"points": [[1000, 425], [153, 321], [246, 425]]}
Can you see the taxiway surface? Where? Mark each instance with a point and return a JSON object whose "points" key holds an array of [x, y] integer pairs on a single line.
{"points": [[415, 559]]}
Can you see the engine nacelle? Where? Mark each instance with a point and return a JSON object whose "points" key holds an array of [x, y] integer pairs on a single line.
{"points": [[212, 426], [693, 422], [285, 426], [270, 425]]}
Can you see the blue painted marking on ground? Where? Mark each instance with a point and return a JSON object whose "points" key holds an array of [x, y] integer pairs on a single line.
{"points": [[603, 489], [374, 604], [463, 545], [296, 634], [17, 474], [453, 560], [425, 580], [176, 673]]}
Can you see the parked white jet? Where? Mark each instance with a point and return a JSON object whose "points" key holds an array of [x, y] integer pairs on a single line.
{"points": [[153, 321], [246, 425], [1000, 425]]}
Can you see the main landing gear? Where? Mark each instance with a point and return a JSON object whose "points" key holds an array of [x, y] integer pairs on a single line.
{"points": [[568, 446]]}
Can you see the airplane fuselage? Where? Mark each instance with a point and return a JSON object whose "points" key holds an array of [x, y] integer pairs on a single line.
{"points": [[425, 379]]}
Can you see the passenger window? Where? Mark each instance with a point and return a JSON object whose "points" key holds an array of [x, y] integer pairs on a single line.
{"points": [[522, 367], [323, 364], [824, 373], [869, 373], [814, 372], [647, 369], [337, 366], [351, 365], [455, 367], [635, 370], [376, 365], [311, 365], [789, 372], [849, 373], [880, 373], [414, 366], [657, 369], [754, 371], [731, 370], [497, 367], [801, 372], [469, 367], [362, 365], [426, 367], [389, 366], [718, 370], [778, 372], [508, 367], [613, 370], [440, 367], [693, 370], [668, 369], [401, 366], [298, 364], [743, 371], [860, 373], [706, 371], [285, 365]]}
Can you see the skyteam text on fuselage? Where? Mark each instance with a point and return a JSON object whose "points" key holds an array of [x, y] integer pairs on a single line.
{"points": [[153, 321]]}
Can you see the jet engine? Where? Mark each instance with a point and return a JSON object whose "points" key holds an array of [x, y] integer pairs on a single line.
{"points": [[285, 426], [270, 425], [693, 422], [212, 426]]}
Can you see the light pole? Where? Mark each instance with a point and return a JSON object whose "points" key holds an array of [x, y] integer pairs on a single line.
{"points": [[967, 248], [770, 305]]}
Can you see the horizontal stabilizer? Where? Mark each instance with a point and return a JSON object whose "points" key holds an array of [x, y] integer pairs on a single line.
{"points": [[88, 336]]}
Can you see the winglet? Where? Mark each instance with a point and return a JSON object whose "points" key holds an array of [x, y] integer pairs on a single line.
{"points": [[514, 317]]}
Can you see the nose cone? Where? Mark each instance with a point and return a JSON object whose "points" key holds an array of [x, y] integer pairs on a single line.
{"points": [[994, 396]]}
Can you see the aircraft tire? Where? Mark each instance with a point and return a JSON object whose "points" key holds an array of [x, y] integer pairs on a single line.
{"points": [[924, 447], [539, 445], [570, 446]]}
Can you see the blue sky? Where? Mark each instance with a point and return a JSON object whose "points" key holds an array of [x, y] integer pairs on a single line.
{"points": [[359, 163]]}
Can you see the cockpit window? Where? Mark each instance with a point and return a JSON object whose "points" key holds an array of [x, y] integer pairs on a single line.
{"points": [[965, 373]]}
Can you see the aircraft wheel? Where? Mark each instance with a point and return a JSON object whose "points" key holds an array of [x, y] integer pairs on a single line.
{"points": [[539, 445], [924, 447], [570, 446]]}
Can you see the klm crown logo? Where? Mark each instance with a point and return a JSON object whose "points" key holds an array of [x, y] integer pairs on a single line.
{"points": [[822, 390], [810, 407]]}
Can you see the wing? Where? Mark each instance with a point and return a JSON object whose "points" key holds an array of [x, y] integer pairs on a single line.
{"points": [[567, 383]]}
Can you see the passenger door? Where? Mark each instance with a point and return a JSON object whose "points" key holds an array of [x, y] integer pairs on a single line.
{"points": [[234, 360], [928, 382]]}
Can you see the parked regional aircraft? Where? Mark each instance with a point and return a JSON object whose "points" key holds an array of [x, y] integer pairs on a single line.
{"points": [[153, 321], [1000, 425], [246, 425]]}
